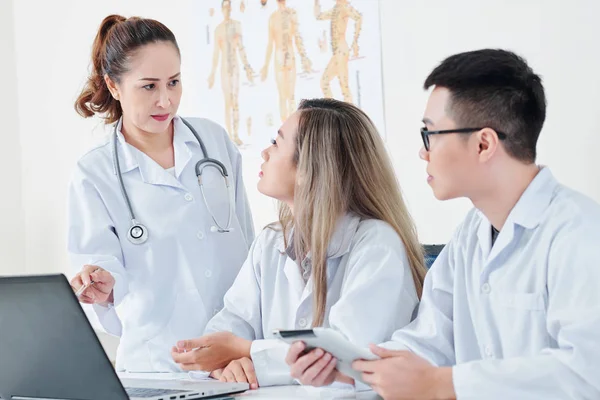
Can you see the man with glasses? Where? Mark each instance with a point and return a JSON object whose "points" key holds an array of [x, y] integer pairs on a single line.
{"points": [[511, 307]]}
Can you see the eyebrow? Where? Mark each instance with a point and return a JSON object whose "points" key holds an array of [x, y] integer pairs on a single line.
{"points": [[280, 134], [156, 79]]}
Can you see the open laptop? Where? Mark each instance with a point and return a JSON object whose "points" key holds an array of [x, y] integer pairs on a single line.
{"points": [[48, 350]]}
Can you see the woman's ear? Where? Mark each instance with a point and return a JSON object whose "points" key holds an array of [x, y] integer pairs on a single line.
{"points": [[112, 87]]}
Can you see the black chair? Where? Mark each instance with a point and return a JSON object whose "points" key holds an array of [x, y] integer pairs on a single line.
{"points": [[431, 253]]}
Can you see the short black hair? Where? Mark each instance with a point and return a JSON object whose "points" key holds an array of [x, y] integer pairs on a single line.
{"points": [[496, 89]]}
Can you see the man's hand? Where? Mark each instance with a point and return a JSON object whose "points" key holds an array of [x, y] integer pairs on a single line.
{"points": [[404, 375]]}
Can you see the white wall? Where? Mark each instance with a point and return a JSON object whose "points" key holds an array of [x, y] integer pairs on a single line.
{"points": [[557, 39], [12, 217], [52, 55]]}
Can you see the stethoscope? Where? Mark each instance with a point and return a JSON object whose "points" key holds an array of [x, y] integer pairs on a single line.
{"points": [[138, 233]]}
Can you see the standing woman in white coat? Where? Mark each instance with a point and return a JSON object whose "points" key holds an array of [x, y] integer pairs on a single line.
{"points": [[344, 254], [160, 231]]}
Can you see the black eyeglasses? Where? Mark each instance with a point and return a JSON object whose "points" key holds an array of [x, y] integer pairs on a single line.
{"points": [[425, 134]]}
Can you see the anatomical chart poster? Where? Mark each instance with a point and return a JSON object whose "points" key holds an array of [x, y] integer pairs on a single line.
{"points": [[256, 59]]}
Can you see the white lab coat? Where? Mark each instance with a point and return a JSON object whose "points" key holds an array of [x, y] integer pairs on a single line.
{"points": [[370, 294], [521, 319], [169, 287]]}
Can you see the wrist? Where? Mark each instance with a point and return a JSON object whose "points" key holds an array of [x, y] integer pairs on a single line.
{"points": [[442, 385], [109, 301], [242, 347]]}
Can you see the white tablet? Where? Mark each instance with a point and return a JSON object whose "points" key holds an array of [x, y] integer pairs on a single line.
{"points": [[332, 342]]}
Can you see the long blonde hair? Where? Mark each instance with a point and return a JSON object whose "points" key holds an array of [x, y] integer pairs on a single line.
{"points": [[344, 167]]}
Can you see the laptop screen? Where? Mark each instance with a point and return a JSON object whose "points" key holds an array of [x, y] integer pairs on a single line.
{"points": [[48, 348]]}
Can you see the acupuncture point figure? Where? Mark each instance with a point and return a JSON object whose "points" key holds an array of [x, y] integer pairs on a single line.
{"points": [[338, 65], [283, 34], [228, 42]]}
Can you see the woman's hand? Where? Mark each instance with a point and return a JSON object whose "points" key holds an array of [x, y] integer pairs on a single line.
{"points": [[210, 352], [240, 370], [315, 368], [98, 292]]}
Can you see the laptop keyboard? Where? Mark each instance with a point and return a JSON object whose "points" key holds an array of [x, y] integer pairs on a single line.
{"points": [[145, 392]]}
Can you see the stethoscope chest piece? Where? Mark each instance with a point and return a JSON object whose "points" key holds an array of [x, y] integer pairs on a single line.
{"points": [[138, 233]]}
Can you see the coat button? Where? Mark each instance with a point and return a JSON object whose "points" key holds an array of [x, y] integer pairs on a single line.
{"points": [[486, 288]]}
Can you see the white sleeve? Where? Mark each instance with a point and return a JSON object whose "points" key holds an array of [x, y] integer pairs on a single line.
{"points": [[268, 356], [241, 313], [431, 334], [571, 371], [92, 240], [377, 297], [242, 207]]}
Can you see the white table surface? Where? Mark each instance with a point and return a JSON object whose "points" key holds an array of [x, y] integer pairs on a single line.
{"points": [[275, 392]]}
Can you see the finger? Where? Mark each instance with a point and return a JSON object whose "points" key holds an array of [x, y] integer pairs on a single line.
{"points": [[85, 299], [183, 358], [365, 366], [190, 344], [76, 282], [96, 293], [89, 268], [294, 352], [227, 376], [217, 373], [238, 372], [315, 369], [248, 367], [85, 275], [304, 362], [102, 277], [190, 367], [323, 377], [370, 379], [385, 353]]}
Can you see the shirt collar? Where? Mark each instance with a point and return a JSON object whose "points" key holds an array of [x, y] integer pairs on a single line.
{"points": [[131, 158], [531, 207], [182, 133], [340, 241]]}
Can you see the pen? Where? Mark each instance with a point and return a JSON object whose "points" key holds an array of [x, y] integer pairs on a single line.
{"points": [[83, 288]]}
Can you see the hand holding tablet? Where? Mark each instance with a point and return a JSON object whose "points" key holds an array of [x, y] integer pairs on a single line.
{"points": [[332, 342]]}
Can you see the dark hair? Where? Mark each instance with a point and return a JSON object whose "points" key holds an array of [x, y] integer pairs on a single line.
{"points": [[495, 89], [115, 43]]}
